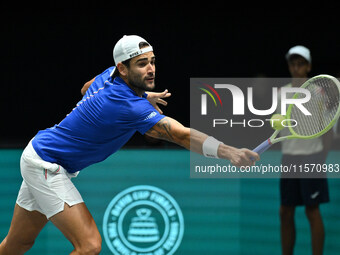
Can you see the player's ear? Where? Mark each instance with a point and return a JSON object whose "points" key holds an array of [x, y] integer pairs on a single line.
{"points": [[122, 69]]}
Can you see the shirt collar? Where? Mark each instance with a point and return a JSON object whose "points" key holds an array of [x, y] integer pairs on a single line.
{"points": [[120, 81]]}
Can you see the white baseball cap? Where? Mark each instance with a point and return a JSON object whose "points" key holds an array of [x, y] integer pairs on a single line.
{"points": [[128, 47], [301, 51]]}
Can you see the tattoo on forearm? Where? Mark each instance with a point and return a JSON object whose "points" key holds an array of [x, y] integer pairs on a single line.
{"points": [[162, 130], [166, 125]]}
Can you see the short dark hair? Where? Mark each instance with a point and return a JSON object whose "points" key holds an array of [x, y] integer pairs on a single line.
{"points": [[127, 62], [297, 56], [143, 45]]}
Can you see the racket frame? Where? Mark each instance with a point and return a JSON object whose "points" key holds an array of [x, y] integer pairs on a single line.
{"points": [[272, 139]]}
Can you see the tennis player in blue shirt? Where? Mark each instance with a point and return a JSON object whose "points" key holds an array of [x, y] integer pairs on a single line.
{"points": [[113, 108]]}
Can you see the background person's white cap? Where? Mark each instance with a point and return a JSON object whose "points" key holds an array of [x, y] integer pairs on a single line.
{"points": [[301, 51], [128, 47]]}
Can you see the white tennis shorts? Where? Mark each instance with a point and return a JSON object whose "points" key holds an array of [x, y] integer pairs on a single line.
{"points": [[46, 187]]}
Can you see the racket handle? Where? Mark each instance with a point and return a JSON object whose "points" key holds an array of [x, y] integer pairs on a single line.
{"points": [[262, 147]]}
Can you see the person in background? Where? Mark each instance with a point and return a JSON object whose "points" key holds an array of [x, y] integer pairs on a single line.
{"points": [[307, 192]]}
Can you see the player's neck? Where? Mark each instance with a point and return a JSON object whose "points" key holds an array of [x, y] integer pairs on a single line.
{"points": [[140, 92], [297, 82]]}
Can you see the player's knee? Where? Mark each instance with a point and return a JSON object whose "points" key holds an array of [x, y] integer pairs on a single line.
{"points": [[9, 246], [25, 246], [96, 247], [312, 212], [287, 213], [92, 246]]}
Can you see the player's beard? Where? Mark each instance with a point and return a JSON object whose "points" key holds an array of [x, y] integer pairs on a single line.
{"points": [[139, 82]]}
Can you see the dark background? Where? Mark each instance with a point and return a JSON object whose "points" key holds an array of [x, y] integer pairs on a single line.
{"points": [[49, 51]]}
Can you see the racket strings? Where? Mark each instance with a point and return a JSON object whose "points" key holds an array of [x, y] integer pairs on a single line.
{"points": [[323, 107]]}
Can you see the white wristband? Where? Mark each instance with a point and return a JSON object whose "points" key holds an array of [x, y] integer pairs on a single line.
{"points": [[210, 147]]}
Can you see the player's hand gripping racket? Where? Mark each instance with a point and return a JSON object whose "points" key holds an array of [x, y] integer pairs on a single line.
{"points": [[324, 106]]}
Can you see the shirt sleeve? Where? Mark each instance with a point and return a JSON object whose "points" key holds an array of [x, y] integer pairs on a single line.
{"points": [[98, 82], [143, 116]]}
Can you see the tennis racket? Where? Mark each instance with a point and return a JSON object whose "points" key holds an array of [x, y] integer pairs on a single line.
{"points": [[324, 106]]}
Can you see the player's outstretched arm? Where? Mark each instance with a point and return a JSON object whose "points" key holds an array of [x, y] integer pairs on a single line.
{"points": [[196, 141]]}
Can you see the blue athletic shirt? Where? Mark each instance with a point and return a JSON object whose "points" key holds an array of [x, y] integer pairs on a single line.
{"points": [[102, 122]]}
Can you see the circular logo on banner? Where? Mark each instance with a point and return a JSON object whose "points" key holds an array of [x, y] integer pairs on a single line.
{"points": [[143, 220]]}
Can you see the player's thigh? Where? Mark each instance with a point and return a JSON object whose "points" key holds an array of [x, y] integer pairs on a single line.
{"points": [[290, 192], [77, 225], [25, 227]]}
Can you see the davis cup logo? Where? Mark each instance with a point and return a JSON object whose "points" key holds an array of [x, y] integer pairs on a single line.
{"points": [[143, 220]]}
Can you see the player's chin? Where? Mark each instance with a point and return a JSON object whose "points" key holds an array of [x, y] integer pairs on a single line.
{"points": [[149, 84]]}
